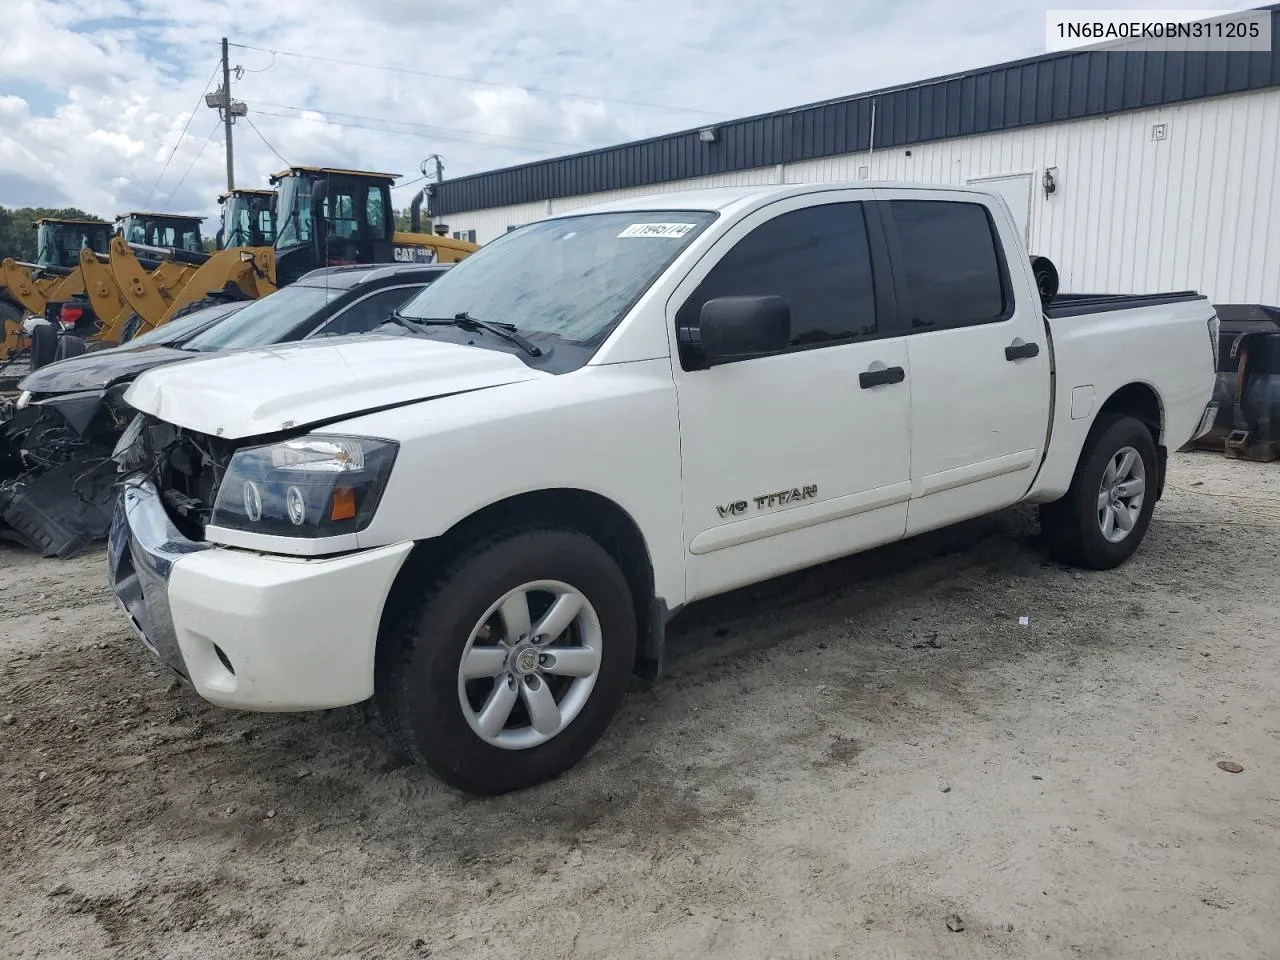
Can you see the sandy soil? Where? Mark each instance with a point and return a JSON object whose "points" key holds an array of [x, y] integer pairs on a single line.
{"points": [[850, 762]]}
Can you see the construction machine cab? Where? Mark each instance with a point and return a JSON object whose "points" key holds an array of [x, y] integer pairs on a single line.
{"points": [[58, 241], [248, 219], [177, 231], [330, 217]]}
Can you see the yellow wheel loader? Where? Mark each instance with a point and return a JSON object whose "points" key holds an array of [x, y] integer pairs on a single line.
{"points": [[323, 216], [28, 288], [173, 250], [150, 278]]}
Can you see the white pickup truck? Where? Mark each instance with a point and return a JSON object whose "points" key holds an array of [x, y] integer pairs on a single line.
{"points": [[485, 516]]}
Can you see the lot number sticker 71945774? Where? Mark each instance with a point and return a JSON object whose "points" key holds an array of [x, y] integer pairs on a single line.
{"points": [[666, 231]]}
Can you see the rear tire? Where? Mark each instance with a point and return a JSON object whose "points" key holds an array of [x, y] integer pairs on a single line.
{"points": [[1105, 514], [436, 711]]}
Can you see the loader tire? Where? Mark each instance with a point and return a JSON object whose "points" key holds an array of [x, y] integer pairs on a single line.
{"points": [[44, 345], [69, 346], [1105, 513]]}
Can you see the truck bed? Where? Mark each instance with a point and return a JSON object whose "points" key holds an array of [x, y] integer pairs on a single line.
{"points": [[1074, 304]]}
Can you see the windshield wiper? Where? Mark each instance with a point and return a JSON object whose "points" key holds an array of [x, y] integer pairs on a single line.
{"points": [[400, 319], [465, 321]]}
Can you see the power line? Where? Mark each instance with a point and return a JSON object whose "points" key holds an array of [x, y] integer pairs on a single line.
{"points": [[409, 183], [190, 117], [207, 141], [254, 126], [405, 133], [486, 83], [425, 126]]}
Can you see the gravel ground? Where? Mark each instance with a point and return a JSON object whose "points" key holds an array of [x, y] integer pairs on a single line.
{"points": [[870, 759]]}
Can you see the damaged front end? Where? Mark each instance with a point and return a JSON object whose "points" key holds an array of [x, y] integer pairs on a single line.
{"points": [[186, 468], [57, 477]]}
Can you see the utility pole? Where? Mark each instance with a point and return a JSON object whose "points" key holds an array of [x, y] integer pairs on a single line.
{"points": [[226, 116], [428, 191], [228, 109]]}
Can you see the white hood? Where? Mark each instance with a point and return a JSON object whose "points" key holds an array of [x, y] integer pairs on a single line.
{"points": [[293, 385]]}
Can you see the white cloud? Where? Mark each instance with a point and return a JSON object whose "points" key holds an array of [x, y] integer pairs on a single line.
{"points": [[107, 86]]}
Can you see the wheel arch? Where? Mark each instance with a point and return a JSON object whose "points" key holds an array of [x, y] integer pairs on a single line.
{"points": [[1137, 399], [1142, 401], [591, 514]]}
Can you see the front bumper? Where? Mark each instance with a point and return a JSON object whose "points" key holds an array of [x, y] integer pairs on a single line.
{"points": [[249, 631]]}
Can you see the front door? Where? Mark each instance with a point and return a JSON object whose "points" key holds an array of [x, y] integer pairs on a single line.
{"points": [[795, 458], [979, 354]]}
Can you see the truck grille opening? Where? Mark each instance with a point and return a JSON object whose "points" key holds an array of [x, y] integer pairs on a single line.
{"points": [[187, 469]]}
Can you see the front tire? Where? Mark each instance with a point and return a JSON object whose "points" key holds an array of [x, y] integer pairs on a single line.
{"points": [[513, 664], [1105, 514]]}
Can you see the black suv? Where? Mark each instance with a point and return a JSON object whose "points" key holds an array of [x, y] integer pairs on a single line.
{"points": [[55, 468]]}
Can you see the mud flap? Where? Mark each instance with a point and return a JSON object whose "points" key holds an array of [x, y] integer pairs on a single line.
{"points": [[651, 654]]}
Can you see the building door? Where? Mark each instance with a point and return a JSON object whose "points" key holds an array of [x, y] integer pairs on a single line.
{"points": [[1016, 189]]}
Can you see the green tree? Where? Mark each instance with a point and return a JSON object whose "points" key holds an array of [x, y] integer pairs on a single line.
{"points": [[17, 228]]}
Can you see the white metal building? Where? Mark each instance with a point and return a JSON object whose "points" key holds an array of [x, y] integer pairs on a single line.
{"points": [[1164, 168]]}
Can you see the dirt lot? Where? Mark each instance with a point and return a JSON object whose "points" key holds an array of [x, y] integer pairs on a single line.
{"points": [[845, 763]]}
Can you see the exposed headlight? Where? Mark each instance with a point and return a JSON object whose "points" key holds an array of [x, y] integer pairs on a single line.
{"points": [[24, 399], [306, 487]]}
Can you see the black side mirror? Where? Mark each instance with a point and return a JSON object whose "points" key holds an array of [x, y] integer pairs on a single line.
{"points": [[739, 328]]}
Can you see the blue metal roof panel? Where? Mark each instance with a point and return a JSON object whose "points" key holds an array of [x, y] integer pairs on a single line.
{"points": [[1061, 86]]}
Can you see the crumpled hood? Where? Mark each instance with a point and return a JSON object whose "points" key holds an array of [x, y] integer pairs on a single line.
{"points": [[96, 371], [270, 389]]}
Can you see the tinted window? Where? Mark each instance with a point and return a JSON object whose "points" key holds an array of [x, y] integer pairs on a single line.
{"points": [[374, 213], [370, 312], [952, 271], [817, 259]]}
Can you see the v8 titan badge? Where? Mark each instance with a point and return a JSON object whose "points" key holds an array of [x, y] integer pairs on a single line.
{"points": [[767, 500]]}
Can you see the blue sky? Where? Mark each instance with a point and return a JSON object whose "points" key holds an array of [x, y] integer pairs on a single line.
{"points": [[95, 94]]}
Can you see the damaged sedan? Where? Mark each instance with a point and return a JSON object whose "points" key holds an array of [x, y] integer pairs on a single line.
{"points": [[56, 439]]}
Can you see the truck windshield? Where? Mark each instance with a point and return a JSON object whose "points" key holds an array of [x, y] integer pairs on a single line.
{"points": [[265, 321], [570, 278]]}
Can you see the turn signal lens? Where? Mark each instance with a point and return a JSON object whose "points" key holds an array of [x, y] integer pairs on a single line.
{"points": [[344, 504]]}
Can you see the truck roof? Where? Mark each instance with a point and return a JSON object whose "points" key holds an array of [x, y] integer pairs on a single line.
{"points": [[163, 216], [245, 192], [721, 199], [337, 171]]}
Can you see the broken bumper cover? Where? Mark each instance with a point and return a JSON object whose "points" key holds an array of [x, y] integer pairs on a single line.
{"points": [[249, 631]]}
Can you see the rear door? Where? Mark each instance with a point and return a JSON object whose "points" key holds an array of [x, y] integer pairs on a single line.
{"points": [[978, 351], [797, 457]]}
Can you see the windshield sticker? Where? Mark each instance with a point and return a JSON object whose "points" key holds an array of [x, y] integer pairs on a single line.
{"points": [[667, 231]]}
